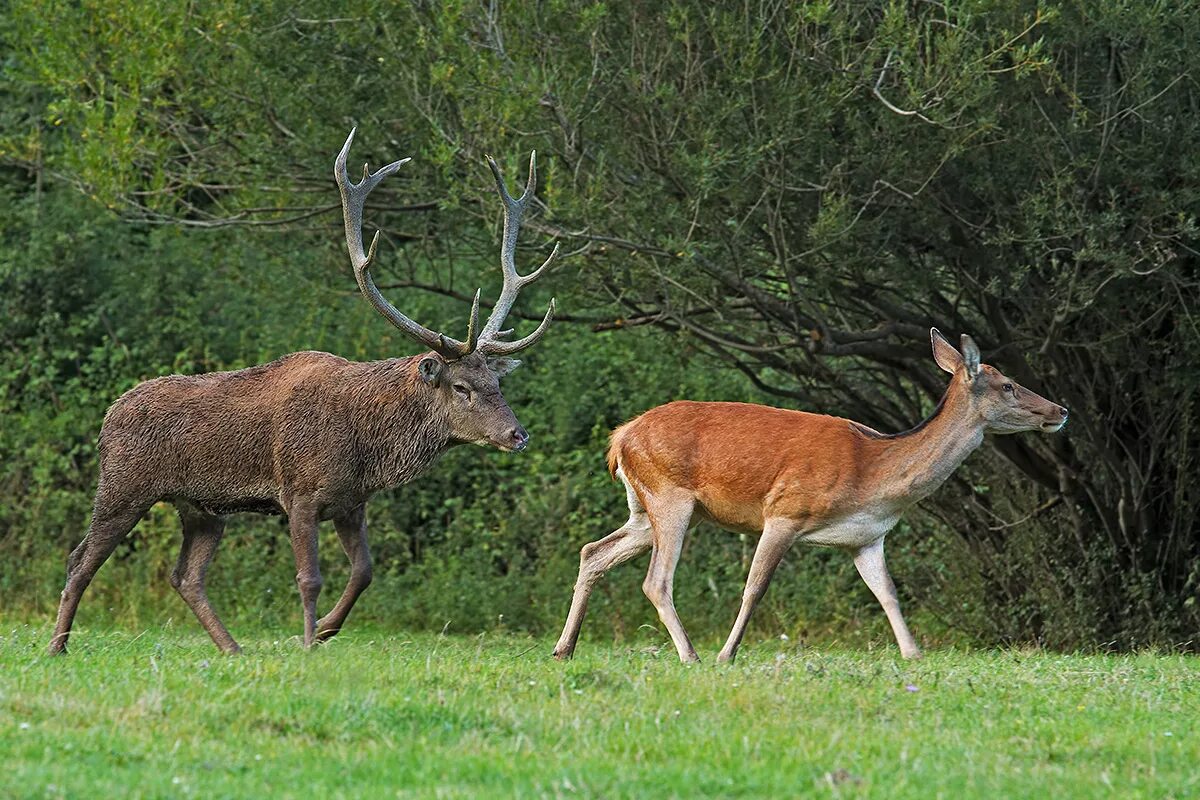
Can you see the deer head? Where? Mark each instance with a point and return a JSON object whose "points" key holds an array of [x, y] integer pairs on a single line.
{"points": [[1003, 404], [466, 393], [463, 375]]}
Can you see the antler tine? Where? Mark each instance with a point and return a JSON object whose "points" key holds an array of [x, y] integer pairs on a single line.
{"points": [[495, 348], [354, 197], [531, 181], [514, 210], [473, 325]]}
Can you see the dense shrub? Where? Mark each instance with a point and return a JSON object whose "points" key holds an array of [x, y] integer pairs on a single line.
{"points": [[767, 201]]}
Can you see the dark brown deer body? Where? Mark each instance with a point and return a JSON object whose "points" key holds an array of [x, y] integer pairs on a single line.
{"points": [[310, 435], [307, 425]]}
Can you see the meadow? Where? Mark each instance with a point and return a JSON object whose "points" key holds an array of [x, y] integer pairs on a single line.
{"points": [[758, 202], [377, 713]]}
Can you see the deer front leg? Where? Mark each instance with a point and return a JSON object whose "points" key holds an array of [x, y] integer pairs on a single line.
{"points": [[302, 522], [777, 537], [873, 569], [352, 532]]}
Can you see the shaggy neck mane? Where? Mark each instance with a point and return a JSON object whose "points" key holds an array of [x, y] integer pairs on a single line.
{"points": [[402, 430]]}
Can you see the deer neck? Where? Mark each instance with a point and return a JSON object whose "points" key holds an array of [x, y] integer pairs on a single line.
{"points": [[914, 464], [402, 432]]}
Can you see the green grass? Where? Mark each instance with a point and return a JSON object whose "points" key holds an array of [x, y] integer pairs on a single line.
{"points": [[378, 714]]}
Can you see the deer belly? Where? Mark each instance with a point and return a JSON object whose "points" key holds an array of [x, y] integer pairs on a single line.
{"points": [[221, 506], [856, 530], [244, 505], [736, 517]]}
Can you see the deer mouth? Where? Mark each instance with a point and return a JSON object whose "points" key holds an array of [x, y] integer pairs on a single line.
{"points": [[1053, 427], [510, 446]]}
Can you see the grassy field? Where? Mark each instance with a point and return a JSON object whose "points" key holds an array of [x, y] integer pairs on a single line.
{"points": [[376, 714]]}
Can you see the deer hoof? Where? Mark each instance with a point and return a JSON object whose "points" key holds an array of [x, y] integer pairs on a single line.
{"points": [[324, 634]]}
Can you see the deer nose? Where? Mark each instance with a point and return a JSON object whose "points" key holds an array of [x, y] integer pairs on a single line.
{"points": [[520, 438], [1062, 411]]}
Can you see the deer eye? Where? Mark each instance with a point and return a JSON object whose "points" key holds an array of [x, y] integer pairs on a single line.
{"points": [[463, 390], [1008, 387]]}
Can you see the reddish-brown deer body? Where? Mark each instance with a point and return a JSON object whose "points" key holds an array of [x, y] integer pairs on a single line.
{"points": [[791, 476], [741, 461], [310, 435]]}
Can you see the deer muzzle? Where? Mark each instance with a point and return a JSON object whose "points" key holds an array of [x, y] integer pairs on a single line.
{"points": [[1058, 419], [518, 438]]}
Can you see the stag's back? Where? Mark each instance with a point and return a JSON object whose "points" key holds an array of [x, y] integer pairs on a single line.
{"points": [[214, 438]]}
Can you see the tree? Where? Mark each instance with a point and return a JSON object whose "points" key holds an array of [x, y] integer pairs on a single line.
{"points": [[798, 191]]}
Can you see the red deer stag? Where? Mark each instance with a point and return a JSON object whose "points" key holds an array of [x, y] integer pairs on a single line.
{"points": [[310, 435], [788, 476]]}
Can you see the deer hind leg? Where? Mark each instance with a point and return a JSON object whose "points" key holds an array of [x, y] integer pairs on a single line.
{"points": [[777, 536], [352, 532], [670, 518], [597, 558], [873, 569], [201, 534], [111, 522]]}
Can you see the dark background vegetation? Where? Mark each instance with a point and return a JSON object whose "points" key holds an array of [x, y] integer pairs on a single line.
{"points": [[764, 201]]}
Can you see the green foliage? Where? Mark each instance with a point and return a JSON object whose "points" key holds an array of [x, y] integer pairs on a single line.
{"points": [[373, 714], [796, 191], [486, 540]]}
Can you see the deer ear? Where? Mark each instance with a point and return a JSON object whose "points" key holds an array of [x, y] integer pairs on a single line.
{"points": [[430, 369], [502, 366], [944, 353], [970, 356]]}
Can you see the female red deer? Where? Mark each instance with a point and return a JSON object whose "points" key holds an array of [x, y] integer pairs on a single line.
{"points": [[311, 435], [788, 476]]}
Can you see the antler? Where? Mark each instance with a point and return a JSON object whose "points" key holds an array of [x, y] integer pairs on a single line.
{"points": [[513, 282], [353, 198]]}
